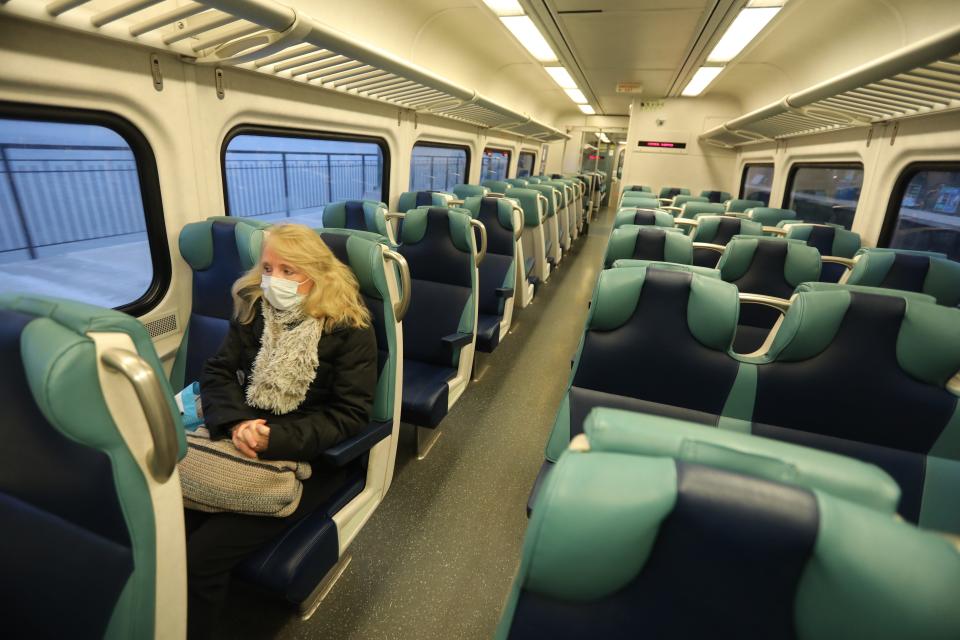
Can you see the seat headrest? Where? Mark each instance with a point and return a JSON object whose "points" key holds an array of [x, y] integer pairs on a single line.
{"points": [[362, 215], [412, 199], [502, 206], [721, 229], [924, 271], [681, 199], [196, 241], [497, 186], [697, 209], [648, 243], [463, 191], [800, 263], [529, 202], [641, 216], [438, 224], [829, 240], [740, 205], [769, 216], [631, 263], [641, 202], [363, 253]]}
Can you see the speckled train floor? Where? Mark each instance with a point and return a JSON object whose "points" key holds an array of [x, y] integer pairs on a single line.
{"points": [[438, 557]]}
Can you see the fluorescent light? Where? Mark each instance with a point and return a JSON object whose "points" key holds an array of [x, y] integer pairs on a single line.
{"points": [[604, 138], [505, 7], [576, 95], [741, 31], [587, 109], [700, 80], [562, 77], [530, 37]]}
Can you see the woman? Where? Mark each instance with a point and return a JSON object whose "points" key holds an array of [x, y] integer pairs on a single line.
{"points": [[294, 376]]}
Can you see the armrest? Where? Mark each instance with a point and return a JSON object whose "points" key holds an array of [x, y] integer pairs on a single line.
{"points": [[455, 340], [503, 292], [352, 448]]}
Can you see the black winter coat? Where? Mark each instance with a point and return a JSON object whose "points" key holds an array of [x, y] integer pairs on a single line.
{"points": [[337, 405]]}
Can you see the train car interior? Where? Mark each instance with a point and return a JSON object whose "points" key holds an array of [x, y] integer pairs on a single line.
{"points": [[636, 319]]}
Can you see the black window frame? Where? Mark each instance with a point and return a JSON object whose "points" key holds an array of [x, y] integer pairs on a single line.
{"points": [[795, 167], [533, 165], [906, 176], [312, 134], [148, 179], [509, 153], [743, 176], [443, 145]]}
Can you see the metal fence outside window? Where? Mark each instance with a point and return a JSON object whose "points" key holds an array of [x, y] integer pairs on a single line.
{"points": [[436, 173]]}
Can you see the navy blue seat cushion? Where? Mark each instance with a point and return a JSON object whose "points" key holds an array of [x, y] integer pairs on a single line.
{"points": [[425, 392], [60, 513], [748, 338], [726, 563], [764, 276], [650, 245], [500, 240], [354, 218], [653, 356], [714, 196], [821, 238], [488, 332], [212, 301], [297, 561], [705, 257], [726, 229], [907, 273], [644, 218], [424, 198], [862, 396], [434, 313], [493, 272]]}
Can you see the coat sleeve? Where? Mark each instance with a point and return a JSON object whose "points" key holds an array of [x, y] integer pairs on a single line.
{"points": [[345, 413], [221, 393]]}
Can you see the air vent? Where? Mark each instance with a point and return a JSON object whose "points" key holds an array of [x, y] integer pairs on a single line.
{"points": [[162, 326]]}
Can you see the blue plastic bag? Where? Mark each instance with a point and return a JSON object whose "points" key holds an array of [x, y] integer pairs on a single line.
{"points": [[188, 401]]}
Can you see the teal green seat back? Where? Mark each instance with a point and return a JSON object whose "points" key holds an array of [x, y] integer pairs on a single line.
{"points": [[363, 253], [412, 199], [553, 195], [737, 205], [533, 180], [518, 182], [923, 271], [565, 190], [715, 196], [642, 217], [362, 215], [464, 191], [648, 243], [497, 186], [768, 266], [79, 523], [641, 202], [678, 201], [631, 263], [696, 209], [769, 216], [622, 545], [219, 250], [654, 332], [829, 240], [721, 229], [529, 203]]}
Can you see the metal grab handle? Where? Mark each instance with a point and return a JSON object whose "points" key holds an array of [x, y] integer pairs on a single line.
{"points": [[777, 231], [546, 204], [394, 215], [482, 253], [779, 304], [846, 262], [162, 460], [719, 248], [518, 230], [400, 308]]}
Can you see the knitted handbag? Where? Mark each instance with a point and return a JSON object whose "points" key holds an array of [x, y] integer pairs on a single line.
{"points": [[215, 476]]}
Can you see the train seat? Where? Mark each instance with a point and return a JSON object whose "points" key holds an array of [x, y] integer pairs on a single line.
{"points": [[440, 333], [924, 271], [219, 250], [717, 197], [536, 269], [737, 205], [771, 267], [694, 210], [496, 186], [623, 545], [832, 241], [679, 200], [502, 219], [657, 244], [565, 217], [89, 491], [533, 180], [464, 191], [637, 187], [294, 565], [554, 232], [362, 215], [885, 365], [413, 199], [571, 209], [640, 201], [672, 192], [713, 233], [522, 183], [654, 333], [769, 216], [642, 217]]}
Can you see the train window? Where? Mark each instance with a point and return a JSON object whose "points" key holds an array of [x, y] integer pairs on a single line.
{"points": [[756, 182], [824, 192], [80, 210], [525, 164], [924, 211], [495, 164], [437, 167], [289, 175]]}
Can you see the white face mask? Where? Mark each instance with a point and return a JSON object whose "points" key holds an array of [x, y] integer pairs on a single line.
{"points": [[280, 292]]}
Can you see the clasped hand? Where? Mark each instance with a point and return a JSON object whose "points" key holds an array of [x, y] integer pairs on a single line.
{"points": [[251, 436]]}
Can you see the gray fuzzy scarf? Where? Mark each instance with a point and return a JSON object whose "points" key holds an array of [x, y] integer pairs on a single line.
{"points": [[287, 361]]}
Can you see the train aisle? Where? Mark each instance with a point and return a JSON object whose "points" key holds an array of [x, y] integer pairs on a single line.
{"points": [[437, 558]]}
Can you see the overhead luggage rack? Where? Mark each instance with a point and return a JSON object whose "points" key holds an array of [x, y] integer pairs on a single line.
{"points": [[274, 39], [920, 79]]}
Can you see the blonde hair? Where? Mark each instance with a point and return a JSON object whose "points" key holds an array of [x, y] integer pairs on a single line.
{"points": [[335, 296]]}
